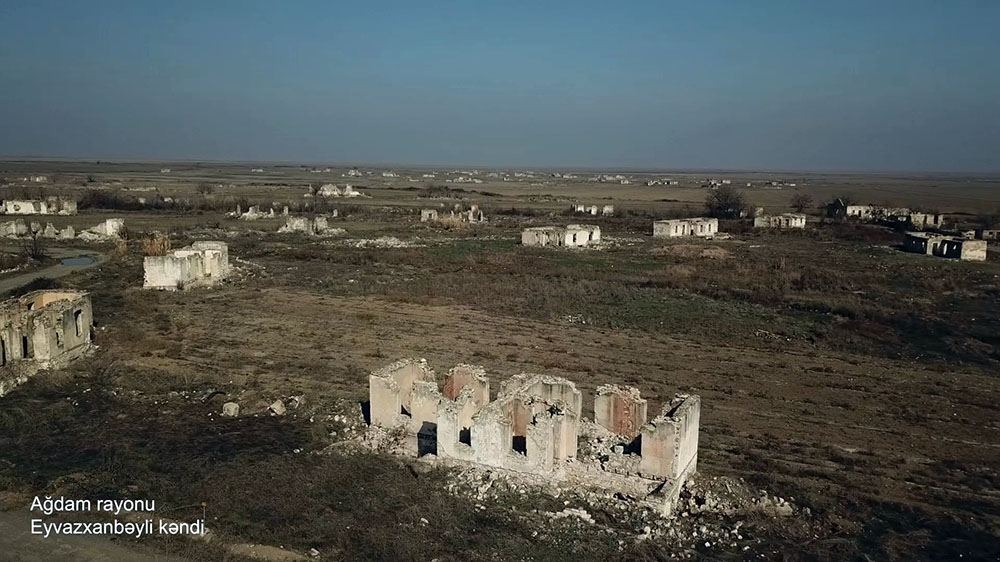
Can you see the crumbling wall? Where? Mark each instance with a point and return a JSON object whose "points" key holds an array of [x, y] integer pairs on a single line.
{"points": [[669, 443], [620, 409], [534, 424], [395, 382], [200, 264], [786, 220], [42, 330], [676, 228]]}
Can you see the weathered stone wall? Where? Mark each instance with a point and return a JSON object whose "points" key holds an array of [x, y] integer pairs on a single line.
{"points": [[42, 330], [669, 443], [200, 264], [675, 228], [620, 409]]}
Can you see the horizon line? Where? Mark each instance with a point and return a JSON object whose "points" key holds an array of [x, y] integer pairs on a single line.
{"points": [[438, 165]]}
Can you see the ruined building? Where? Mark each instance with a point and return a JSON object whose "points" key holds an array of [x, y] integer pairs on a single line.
{"points": [[534, 425], [573, 235], [317, 226], [428, 215], [923, 221], [945, 246], [675, 228], [784, 220], [472, 215], [606, 210], [42, 330], [199, 265], [839, 209], [48, 206]]}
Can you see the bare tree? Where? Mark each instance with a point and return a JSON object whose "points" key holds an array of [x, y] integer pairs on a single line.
{"points": [[801, 201], [34, 247], [725, 202]]}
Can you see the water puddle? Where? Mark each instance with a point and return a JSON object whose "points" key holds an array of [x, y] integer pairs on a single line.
{"points": [[78, 261]]}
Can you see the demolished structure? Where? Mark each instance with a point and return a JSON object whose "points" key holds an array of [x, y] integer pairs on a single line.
{"points": [[839, 209], [534, 424], [606, 210], [945, 246], [201, 264], [331, 190], [922, 221], [42, 330], [699, 226], [472, 215], [110, 228], [47, 206], [571, 236], [428, 215], [316, 226], [784, 220], [987, 234], [17, 228]]}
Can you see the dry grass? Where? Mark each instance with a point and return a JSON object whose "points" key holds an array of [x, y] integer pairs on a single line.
{"points": [[156, 244]]}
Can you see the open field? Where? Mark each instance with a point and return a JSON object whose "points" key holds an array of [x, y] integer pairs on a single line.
{"points": [[833, 369]]}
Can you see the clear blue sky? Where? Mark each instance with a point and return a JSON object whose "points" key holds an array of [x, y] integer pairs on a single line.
{"points": [[762, 84]]}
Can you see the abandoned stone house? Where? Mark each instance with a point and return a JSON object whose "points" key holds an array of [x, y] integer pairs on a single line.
{"points": [[987, 234], [675, 228], [922, 221], [945, 246], [199, 265], [48, 206], [472, 215], [784, 220], [533, 424], [428, 215], [839, 209], [42, 330], [316, 226], [606, 210], [573, 236]]}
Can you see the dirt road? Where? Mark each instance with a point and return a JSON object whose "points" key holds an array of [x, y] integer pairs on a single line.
{"points": [[88, 259]]}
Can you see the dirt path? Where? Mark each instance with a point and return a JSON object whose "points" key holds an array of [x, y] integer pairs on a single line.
{"points": [[54, 271], [17, 544]]}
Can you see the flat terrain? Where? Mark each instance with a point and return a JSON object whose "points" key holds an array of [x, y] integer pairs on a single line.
{"points": [[833, 368]]}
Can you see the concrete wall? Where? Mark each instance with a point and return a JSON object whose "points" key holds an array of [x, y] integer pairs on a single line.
{"points": [[669, 443], [391, 393], [542, 236], [787, 220], [676, 228], [620, 409], [200, 264]]}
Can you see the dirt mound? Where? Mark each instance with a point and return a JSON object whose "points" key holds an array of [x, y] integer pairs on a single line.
{"points": [[692, 251]]}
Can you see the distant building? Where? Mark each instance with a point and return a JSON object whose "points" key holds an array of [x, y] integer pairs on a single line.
{"points": [[838, 209], [924, 221], [574, 235], [48, 206], [676, 228], [785, 220]]}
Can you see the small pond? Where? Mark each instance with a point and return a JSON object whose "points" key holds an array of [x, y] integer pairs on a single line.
{"points": [[78, 261]]}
